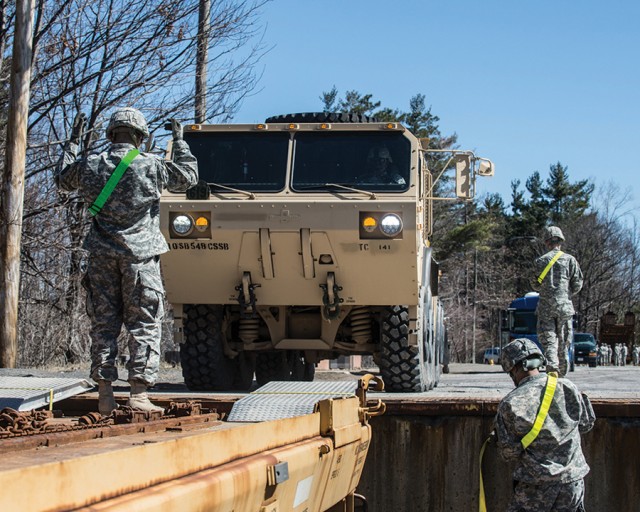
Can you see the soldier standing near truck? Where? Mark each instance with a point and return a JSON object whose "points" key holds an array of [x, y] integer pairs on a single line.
{"points": [[557, 277], [123, 280], [549, 463]]}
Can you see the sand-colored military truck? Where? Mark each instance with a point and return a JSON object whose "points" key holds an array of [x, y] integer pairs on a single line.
{"points": [[307, 238]]}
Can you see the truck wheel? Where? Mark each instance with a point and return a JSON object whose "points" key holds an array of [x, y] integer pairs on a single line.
{"points": [[300, 369], [245, 366], [322, 117], [400, 364], [272, 366], [204, 365]]}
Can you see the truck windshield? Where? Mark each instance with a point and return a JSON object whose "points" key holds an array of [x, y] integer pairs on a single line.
{"points": [[376, 161], [524, 322], [253, 161]]}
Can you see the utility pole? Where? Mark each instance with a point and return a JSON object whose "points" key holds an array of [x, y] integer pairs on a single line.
{"points": [[202, 56], [12, 185], [475, 287]]}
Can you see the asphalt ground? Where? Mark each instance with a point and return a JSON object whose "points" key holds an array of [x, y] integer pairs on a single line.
{"points": [[465, 381]]}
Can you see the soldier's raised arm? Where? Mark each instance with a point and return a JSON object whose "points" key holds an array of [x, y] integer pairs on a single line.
{"points": [[66, 175], [181, 172]]}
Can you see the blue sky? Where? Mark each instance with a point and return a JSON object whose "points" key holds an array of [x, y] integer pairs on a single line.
{"points": [[526, 84]]}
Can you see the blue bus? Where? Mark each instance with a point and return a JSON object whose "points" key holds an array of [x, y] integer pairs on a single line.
{"points": [[521, 322]]}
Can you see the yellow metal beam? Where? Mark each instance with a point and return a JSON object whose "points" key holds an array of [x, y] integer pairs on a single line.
{"points": [[223, 468]]}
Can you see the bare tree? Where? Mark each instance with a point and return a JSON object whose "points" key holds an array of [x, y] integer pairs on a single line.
{"points": [[92, 56]]}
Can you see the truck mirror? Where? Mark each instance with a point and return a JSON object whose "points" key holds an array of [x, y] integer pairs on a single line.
{"points": [[486, 168], [463, 176]]}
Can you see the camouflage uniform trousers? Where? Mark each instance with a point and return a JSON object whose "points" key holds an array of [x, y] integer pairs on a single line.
{"points": [[568, 497], [554, 334], [121, 291]]}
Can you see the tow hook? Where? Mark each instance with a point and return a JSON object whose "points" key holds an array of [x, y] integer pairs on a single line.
{"points": [[374, 383], [247, 296], [330, 297]]}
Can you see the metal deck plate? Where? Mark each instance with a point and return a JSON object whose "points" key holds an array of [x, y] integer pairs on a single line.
{"points": [[28, 393], [278, 400]]}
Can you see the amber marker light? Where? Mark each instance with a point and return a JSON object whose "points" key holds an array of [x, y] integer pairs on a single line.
{"points": [[369, 224], [195, 127], [325, 126], [202, 223], [293, 126], [261, 127]]}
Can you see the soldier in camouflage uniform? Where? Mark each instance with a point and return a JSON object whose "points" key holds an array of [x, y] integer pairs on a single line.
{"points": [[617, 358], [624, 351], [548, 474], [123, 280], [562, 280], [381, 168]]}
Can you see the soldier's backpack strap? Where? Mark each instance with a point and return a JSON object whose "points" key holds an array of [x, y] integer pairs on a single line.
{"points": [[549, 391], [112, 182], [548, 267]]}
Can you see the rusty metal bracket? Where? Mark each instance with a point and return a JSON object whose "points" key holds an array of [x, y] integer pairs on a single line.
{"points": [[128, 415], [181, 409]]}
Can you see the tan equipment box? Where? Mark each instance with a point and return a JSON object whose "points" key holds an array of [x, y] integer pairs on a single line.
{"points": [[307, 238]]}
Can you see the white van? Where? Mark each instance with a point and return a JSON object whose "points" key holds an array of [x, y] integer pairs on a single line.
{"points": [[491, 356]]}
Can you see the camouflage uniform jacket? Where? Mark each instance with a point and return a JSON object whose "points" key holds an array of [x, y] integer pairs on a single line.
{"points": [[555, 456], [561, 282], [128, 224]]}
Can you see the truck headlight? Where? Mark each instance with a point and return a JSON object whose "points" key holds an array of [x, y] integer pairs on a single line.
{"points": [[391, 224], [182, 225]]}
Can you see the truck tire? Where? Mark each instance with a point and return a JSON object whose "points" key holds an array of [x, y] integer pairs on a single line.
{"points": [[322, 117], [440, 343], [272, 366], [401, 365], [244, 368], [428, 338], [301, 370], [204, 365]]}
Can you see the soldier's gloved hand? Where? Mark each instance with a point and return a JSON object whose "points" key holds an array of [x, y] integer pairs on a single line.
{"points": [[77, 129], [176, 129]]}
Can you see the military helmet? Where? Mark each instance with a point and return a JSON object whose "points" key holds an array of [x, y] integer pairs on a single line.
{"points": [[127, 118], [520, 350], [552, 232], [380, 152]]}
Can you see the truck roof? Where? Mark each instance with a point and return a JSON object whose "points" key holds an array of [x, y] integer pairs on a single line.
{"points": [[528, 302]]}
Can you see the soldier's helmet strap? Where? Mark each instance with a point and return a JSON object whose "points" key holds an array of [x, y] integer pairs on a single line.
{"points": [[549, 391], [548, 267], [112, 182]]}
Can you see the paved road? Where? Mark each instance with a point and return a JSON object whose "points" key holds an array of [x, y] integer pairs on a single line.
{"points": [[464, 380], [601, 382], [488, 381]]}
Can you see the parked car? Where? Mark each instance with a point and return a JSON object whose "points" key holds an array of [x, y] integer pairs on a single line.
{"points": [[491, 356], [585, 349]]}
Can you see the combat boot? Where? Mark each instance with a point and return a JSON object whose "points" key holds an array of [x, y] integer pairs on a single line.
{"points": [[139, 399], [106, 401]]}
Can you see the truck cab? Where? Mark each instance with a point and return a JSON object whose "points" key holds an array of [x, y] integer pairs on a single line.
{"points": [[306, 238]]}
